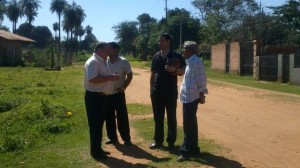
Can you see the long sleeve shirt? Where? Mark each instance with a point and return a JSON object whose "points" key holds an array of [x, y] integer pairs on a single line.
{"points": [[194, 80]]}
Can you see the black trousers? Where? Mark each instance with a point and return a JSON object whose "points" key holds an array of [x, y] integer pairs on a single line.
{"points": [[162, 102], [190, 128], [117, 109], [95, 104]]}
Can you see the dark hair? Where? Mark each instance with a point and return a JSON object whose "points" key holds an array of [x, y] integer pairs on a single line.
{"points": [[114, 45], [167, 36], [100, 45]]}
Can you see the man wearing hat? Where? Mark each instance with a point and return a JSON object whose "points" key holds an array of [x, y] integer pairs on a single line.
{"points": [[192, 92]]}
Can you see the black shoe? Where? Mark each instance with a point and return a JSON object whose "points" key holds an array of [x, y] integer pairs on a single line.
{"points": [[103, 152], [112, 142], [196, 154], [182, 158], [128, 143], [155, 146], [99, 156], [171, 146]]}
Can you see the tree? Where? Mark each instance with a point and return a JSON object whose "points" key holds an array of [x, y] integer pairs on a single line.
{"points": [[126, 33], [55, 28], [145, 26], [2, 10], [30, 8], [220, 17], [182, 26], [42, 35], [89, 40], [289, 14], [14, 12], [25, 30], [58, 7], [88, 29], [73, 17], [80, 32]]}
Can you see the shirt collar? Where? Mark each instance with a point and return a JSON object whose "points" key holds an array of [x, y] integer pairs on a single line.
{"points": [[100, 59], [117, 59], [190, 60]]}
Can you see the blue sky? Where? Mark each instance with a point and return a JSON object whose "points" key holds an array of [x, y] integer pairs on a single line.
{"points": [[102, 15]]}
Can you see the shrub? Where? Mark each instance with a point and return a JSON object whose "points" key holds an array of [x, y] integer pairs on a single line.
{"points": [[7, 104]]}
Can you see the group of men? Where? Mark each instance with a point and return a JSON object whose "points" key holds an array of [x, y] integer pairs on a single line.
{"points": [[107, 75]]}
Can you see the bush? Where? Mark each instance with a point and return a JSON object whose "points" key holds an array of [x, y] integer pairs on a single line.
{"points": [[12, 143], [7, 104]]}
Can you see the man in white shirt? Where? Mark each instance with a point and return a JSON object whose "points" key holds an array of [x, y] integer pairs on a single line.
{"points": [[97, 84], [192, 93], [117, 109]]}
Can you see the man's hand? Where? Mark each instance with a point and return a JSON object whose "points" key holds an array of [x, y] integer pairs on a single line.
{"points": [[170, 68], [202, 98]]}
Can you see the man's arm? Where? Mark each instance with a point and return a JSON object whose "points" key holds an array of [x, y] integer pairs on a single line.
{"points": [[152, 79], [128, 80]]}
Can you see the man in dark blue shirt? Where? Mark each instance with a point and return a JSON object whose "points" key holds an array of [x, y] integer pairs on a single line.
{"points": [[166, 65]]}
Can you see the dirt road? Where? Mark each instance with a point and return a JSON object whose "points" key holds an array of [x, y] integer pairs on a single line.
{"points": [[260, 128]]}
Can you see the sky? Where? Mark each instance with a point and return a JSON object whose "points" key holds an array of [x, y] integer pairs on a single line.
{"points": [[102, 15]]}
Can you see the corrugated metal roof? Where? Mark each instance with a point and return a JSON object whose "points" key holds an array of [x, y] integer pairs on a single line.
{"points": [[14, 37]]}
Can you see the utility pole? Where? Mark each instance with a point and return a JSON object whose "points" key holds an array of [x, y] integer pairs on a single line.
{"points": [[260, 27], [166, 15], [180, 46]]}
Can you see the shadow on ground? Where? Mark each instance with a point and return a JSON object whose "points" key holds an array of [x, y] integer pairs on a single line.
{"points": [[217, 161], [135, 152]]}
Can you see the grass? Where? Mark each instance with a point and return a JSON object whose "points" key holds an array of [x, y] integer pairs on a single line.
{"points": [[36, 132], [211, 152], [35, 129]]}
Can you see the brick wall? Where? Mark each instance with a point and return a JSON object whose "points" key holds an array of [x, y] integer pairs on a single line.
{"points": [[218, 57], [234, 62]]}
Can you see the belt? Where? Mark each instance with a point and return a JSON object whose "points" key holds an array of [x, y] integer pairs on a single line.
{"points": [[96, 93]]}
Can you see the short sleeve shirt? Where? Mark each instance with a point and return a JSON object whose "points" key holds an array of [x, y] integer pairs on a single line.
{"points": [[163, 80], [96, 66], [123, 68]]}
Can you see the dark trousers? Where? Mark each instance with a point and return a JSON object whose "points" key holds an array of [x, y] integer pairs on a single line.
{"points": [[190, 128], [160, 103], [95, 108], [117, 109]]}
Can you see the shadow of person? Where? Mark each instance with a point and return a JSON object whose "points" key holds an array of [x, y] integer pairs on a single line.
{"points": [[112, 162], [137, 152], [217, 161]]}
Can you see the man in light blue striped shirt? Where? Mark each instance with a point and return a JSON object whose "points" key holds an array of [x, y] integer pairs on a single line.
{"points": [[192, 93]]}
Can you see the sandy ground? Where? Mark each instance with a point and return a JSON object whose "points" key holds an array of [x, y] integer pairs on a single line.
{"points": [[259, 128]]}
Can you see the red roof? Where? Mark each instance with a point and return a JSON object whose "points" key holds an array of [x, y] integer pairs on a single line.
{"points": [[14, 37]]}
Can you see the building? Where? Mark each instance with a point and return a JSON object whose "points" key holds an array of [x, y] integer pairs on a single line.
{"points": [[10, 48]]}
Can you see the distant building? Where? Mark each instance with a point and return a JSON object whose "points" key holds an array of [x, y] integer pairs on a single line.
{"points": [[10, 48]]}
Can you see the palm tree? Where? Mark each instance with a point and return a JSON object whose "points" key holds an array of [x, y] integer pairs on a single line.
{"points": [[55, 28], [2, 10], [30, 8], [58, 7], [73, 17], [88, 29], [80, 32], [14, 12]]}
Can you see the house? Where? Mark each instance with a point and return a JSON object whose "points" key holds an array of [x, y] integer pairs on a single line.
{"points": [[10, 48]]}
